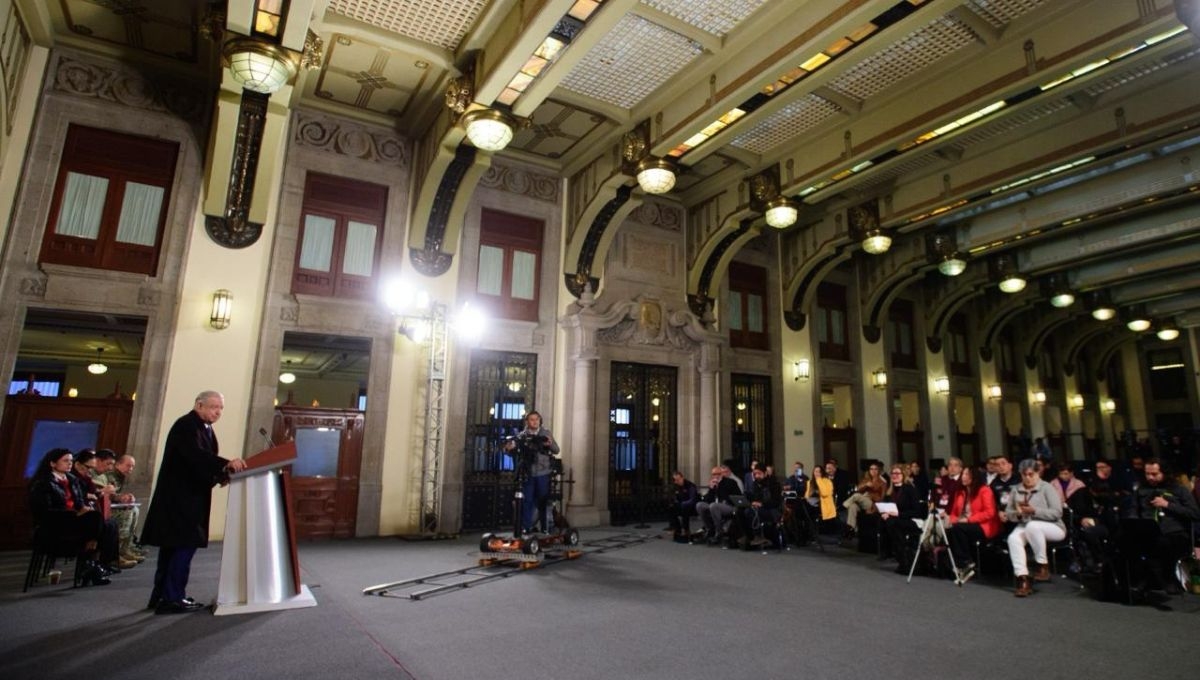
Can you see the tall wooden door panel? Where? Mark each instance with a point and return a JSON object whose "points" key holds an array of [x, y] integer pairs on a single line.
{"points": [[325, 474]]}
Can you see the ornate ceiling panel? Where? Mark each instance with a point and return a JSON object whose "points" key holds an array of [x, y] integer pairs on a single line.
{"points": [[786, 124], [636, 58], [910, 55], [369, 76], [557, 127], [713, 16], [166, 28], [441, 22], [999, 13]]}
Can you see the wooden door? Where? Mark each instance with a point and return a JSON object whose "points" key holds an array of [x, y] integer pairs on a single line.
{"points": [[32, 426], [325, 474]]}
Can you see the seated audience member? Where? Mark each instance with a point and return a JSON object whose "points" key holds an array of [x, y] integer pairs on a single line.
{"points": [[900, 531], [1037, 511], [948, 485], [920, 480], [766, 500], [683, 508], [1098, 510], [820, 494], [97, 496], [972, 518], [56, 499], [843, 486], [716, 507], [1004, 481], [992, 470], [748, 477], [1066, 484], [1171, 509], [798, 481], [126, 518], [868, 492]]}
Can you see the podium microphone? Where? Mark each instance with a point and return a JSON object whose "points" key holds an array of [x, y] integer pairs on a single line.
{"points": [[267, 437]]}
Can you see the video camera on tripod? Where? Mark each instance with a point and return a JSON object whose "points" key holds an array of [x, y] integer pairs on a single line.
{"points": [[526, 448]]}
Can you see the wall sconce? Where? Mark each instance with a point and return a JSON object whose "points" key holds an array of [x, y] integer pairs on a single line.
{"points": [[73, 392], [1077, 402], [1109, 406], [800, 370], [222, 310], [1039, 397], [942, 385], [994, 392], [879, 379]]}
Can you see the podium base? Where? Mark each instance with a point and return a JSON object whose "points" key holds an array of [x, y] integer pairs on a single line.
{"points": [[304, 599]]}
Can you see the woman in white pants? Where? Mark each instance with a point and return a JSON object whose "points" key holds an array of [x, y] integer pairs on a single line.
{"points": [[1037, 510]]}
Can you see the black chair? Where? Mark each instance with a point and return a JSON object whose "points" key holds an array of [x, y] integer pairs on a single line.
{"points": [[48, 548]]}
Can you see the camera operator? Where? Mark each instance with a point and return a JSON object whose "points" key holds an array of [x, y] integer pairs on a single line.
{"points": [[536, 487]]}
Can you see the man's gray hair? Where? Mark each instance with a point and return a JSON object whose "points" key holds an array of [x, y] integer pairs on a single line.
{"points": [[208, 394]]}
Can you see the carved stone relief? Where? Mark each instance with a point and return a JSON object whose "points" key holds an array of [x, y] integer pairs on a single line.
{"points": [[657, 215], [129, 88], [521, 182], [348, 139]]}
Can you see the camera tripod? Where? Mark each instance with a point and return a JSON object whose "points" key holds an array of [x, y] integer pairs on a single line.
{"points": [[934, 529]]}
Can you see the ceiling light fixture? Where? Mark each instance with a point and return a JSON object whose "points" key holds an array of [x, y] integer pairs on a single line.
{"points": [[655, 175], [1104, 313], [1138, 325], [98, 367], [876, 242], [1168, 331], [1012, 283], [781, 212], [287, 377], [952, 265], [1063, 299], [489, 129], [258, 66]]}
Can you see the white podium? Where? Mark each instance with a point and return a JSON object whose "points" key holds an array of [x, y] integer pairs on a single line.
{"points": [[259, 568]]}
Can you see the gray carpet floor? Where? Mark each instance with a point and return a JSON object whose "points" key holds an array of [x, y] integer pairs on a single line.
{"points": [[652, 610]]}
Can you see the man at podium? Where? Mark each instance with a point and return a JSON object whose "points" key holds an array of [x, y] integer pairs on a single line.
{"points": [[177, 521]]}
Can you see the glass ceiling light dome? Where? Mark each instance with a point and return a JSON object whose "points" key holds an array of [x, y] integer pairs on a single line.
{"points": [[488, 129], [781, 212], [98, 367], [876, 242], [1013, 283], [655, 175], [1063, 299], [1103, 313], [258, 66], [1168, 332], [1138, 325], [952, 265]]}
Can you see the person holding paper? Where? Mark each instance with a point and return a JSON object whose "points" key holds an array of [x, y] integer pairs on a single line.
{"points": [[177, 521]]}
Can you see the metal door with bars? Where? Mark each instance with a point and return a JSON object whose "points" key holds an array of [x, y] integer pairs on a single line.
{"points": [[641, 442], [500, 393]]}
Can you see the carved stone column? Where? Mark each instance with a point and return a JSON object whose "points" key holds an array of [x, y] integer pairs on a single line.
{"points": [[710, 406], [581, 326]]}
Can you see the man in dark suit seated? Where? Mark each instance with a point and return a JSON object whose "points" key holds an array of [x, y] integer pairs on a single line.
{"points": [[684, 507], [765, 497], [1161, 530]]}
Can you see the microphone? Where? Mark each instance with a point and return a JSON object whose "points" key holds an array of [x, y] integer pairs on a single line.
{"points": [[263, 431]]}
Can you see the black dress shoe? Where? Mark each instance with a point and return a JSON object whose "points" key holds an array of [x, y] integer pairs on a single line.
{"points": [[155, 600], [94, 576], [181, 607]]}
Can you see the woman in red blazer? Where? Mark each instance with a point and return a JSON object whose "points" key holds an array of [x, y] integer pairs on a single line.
{"points": [[972, 518]]}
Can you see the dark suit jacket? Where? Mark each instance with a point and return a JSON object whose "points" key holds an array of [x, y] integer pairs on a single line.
{"points": [[179, 510]]}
